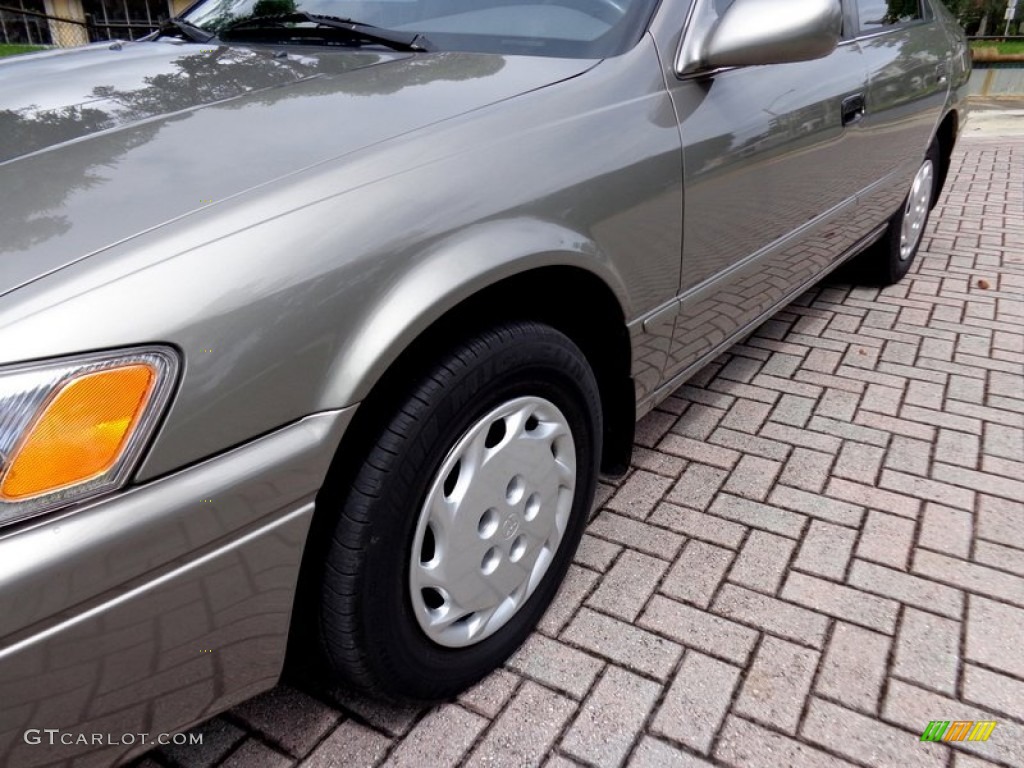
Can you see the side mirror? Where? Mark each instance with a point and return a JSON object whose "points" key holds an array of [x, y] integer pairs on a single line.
{"points": [[753, 32]]}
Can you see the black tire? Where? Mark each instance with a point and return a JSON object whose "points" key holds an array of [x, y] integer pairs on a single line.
{"points": [[882, 264], [368, 632]]}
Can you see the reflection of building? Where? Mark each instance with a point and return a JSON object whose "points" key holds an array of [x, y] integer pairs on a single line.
{"points": [[19, 28], [67, 23]]}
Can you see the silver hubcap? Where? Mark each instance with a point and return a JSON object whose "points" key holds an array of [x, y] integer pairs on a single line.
{"points": [[916, 212], [492, 521]]}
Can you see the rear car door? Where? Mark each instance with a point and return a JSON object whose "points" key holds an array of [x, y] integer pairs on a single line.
{"points": [[905, 50], [771, 184]]}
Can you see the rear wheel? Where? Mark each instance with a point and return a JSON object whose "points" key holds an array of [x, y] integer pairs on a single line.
{"points": [[461, 523], [889, 260]]}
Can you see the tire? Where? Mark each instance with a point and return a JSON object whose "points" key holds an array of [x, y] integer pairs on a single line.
{"points": [[888, 261], [443, 445]]}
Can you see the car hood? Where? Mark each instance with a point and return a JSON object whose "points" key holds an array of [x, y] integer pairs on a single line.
{"points": [[105, 142]]}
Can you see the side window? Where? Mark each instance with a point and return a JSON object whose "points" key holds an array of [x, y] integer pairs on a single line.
{"points": [[876, 15]]}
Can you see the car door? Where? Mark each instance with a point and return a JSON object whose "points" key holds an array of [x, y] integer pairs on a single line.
{"points": [[905, 51], [770, 183]]}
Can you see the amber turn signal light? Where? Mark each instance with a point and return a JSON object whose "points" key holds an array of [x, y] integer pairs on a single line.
{"points": [[81, 433]]}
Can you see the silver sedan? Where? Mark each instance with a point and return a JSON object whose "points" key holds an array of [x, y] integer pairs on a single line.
{"points": [[319, 319]]}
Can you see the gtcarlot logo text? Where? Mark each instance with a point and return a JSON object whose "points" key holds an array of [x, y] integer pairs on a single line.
{"points": [[54, 736]]}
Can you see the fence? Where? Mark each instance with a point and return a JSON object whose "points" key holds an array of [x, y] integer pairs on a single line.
{"points": [[27, 26]]}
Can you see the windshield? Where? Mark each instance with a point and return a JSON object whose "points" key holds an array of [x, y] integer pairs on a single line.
{"points": [[569, 28]]}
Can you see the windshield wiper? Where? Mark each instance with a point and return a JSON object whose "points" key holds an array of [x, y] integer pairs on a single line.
{"points": [[190, 32], [270, 28]]}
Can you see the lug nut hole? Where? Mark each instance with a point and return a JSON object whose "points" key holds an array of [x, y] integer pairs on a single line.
{"points": [[515, 490], [491, 561], [488, 524], [518, 549]]}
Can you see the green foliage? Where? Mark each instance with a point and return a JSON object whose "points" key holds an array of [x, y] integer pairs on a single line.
{"points": [[10, 49], [273, 7], [1012, 47], [971, 12], [901, 9]]}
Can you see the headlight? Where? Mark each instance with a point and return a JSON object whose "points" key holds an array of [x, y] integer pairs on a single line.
{"points": [[74, 428]]}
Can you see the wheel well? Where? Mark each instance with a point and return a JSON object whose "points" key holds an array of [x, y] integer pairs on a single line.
{"points": [[574, 301], [946, 136]]}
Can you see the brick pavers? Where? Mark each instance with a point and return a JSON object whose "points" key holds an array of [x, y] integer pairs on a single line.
{"points": [[819, 549]]}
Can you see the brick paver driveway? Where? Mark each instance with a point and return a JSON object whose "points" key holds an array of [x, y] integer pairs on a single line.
{"points": [[819, 550]]}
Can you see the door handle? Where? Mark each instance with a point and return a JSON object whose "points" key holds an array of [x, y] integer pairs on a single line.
{"points": [[853, 109], [941, 74]]}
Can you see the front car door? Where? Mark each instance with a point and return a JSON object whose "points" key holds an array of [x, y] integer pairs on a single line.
{"points": [[770, 180], [904, 49]]}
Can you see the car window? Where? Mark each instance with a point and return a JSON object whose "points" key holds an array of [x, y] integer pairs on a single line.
{"points": [[580, 28], [876, 15]]}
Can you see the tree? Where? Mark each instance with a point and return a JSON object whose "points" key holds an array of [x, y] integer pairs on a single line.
{"points": [[979, 17]]}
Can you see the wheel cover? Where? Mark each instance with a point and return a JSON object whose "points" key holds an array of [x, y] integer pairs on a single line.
{"points": [[916, 212], [492, 521]]}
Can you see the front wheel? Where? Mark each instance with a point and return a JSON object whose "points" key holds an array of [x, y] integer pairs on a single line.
{"points": [[461, 523]]}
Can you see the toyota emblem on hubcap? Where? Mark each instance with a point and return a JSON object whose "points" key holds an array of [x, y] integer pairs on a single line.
{"points": [[510, 527]]}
